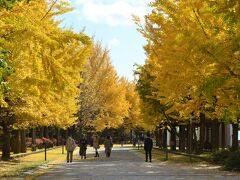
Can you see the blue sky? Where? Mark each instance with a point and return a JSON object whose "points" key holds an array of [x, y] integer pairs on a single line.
{"points": [[110, 22]]}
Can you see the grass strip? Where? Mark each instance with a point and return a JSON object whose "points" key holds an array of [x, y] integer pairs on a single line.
{"points": [[159, 155], [17, 166]]}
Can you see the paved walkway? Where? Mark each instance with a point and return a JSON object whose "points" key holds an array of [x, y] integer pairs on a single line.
{"points": [[127, 165]]}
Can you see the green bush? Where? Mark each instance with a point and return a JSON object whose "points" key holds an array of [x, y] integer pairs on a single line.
{"points": [[230, 158], [233, 161], [220, 156]]}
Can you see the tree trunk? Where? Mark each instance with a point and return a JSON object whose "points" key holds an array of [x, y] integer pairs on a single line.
{"points": [[156, 134], [173, 139], [51, 132], [67, 134], [208, 143], [6, 143], [235, 136], [182, 138], [165, 138], [41, 134], [63, 136], [185, 134], [190, 138], [223, 144], [215, 135], [46, 132], [33, 139], [160, 138], [17, 142], [23, 141], [202, 132], [195, 144], [58, 137]]}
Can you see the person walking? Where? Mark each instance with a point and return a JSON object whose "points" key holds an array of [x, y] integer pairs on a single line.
{"points": [[122, 140], [96, 145], [108, 146], [70, 146], [148, 145], [83, 147]]}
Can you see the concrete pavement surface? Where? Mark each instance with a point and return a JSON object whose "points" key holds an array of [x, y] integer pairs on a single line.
{"points": [[125, 164]]}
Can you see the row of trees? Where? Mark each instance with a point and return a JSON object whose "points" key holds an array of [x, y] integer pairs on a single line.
{"points": [[106, 100], [192, 69], [54, 77], [40, 66]]}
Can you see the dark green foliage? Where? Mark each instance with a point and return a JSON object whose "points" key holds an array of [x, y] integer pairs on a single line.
{"points": [[233, 161], [230, 159], [7, 3], [5, 71], [211, 84], [220, 156]]}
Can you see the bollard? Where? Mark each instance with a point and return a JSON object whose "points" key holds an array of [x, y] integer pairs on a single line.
{"points": [[166, 154], [63, 149]]}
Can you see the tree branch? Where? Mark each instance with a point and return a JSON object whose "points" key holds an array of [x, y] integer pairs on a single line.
{"points": [[232, 73], [200, 23], [49, 10]]}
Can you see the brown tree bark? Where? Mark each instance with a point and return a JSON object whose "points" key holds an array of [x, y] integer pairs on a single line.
{"points": [[181, 138], [202, 132], [41, 134], [165, 138], [23, 141], [6, 143], [34, 139], [215, 135], [156, 133], [58, 137], [235, 136], [160, 138], [67, 134], [17, 142], [173, 139], [223, 143], [190, 138], [51, 132], [195, 144], [46, 132]]}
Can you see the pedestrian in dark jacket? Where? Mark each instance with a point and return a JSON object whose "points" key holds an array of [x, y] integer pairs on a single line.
{"points": [[83, 147], [108, 146], [148, 145]]}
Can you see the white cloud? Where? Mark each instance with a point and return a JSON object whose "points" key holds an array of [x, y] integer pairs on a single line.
{"points": [[113, 43], [111, 12]]}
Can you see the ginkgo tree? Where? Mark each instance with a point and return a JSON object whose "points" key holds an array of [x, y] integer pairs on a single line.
{"points": [[193, 58], [102, 99], [47, 62]]}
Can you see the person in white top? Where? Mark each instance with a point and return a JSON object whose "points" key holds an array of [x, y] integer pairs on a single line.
{"points": [[96, 144], [70, 146]]}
